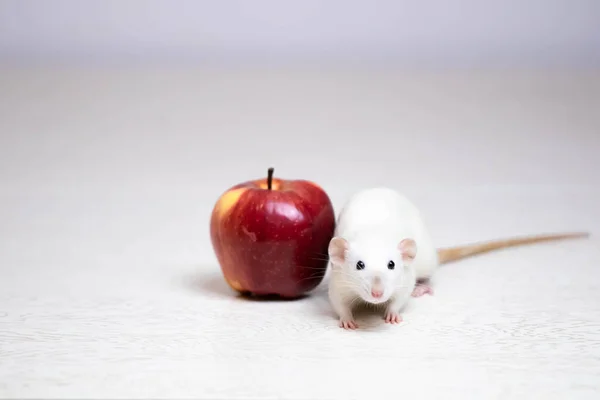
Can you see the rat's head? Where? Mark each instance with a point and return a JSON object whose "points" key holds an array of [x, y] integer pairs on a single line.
{"points": [[372, 266]]}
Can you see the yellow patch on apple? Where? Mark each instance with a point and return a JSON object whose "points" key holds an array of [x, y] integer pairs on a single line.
{"points": [[235, 285], [228, 200]]}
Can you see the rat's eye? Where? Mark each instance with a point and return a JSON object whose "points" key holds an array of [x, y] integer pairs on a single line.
{"points": [[360, 265], [391, 265]]}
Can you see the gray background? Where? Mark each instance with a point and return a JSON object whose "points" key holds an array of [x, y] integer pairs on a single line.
{"points": [[416, 33]]}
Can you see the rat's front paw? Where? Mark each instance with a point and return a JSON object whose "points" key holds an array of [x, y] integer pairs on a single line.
{"points": [[392, 317], [421, 289], [347, 323]]}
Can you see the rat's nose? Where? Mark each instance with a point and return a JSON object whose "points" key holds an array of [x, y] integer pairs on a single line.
{"points": [[376, 287]]}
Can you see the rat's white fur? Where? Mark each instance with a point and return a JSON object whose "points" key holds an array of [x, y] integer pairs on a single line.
{"points": [[371, 227]]}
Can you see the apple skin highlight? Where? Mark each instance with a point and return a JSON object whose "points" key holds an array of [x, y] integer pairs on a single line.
{"points": [[271, 236]]}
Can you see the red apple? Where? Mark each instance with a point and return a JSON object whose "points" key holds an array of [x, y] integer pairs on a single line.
{"points": [[271, 235]]}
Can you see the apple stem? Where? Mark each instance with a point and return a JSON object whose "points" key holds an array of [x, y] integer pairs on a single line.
{"points": [[270, 178]]}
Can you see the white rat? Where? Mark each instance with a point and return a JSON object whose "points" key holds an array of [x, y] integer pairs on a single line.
{"points": [[382, 252]]}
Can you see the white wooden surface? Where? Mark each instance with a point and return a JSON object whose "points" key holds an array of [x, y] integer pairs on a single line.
{"points": [[109, 287]]}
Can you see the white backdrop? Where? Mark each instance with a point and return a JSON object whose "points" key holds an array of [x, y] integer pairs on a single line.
{"points": [[109, 285], [434, 32]]}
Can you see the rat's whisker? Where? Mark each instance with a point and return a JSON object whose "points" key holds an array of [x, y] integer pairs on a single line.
{"points": [[320, 254], [354, 301], [361, 285], [310, 267], [319, 258], [310, 277]]}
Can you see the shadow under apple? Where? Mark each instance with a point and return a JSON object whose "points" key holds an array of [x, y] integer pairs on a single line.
{"points": [[214, 284]]}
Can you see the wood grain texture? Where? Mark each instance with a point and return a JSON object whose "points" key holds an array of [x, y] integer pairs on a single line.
{"points": [[109, 287]]}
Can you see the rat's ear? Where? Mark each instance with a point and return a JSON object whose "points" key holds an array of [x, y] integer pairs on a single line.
{"points": [[408, 250], [337, 250]]}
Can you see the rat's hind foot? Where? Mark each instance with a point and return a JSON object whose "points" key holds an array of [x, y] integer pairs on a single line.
{"points": [[392, 317], [421, 289], [348, 324]]}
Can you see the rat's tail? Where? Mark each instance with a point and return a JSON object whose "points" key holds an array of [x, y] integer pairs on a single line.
{"points": [[447, 255]]}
